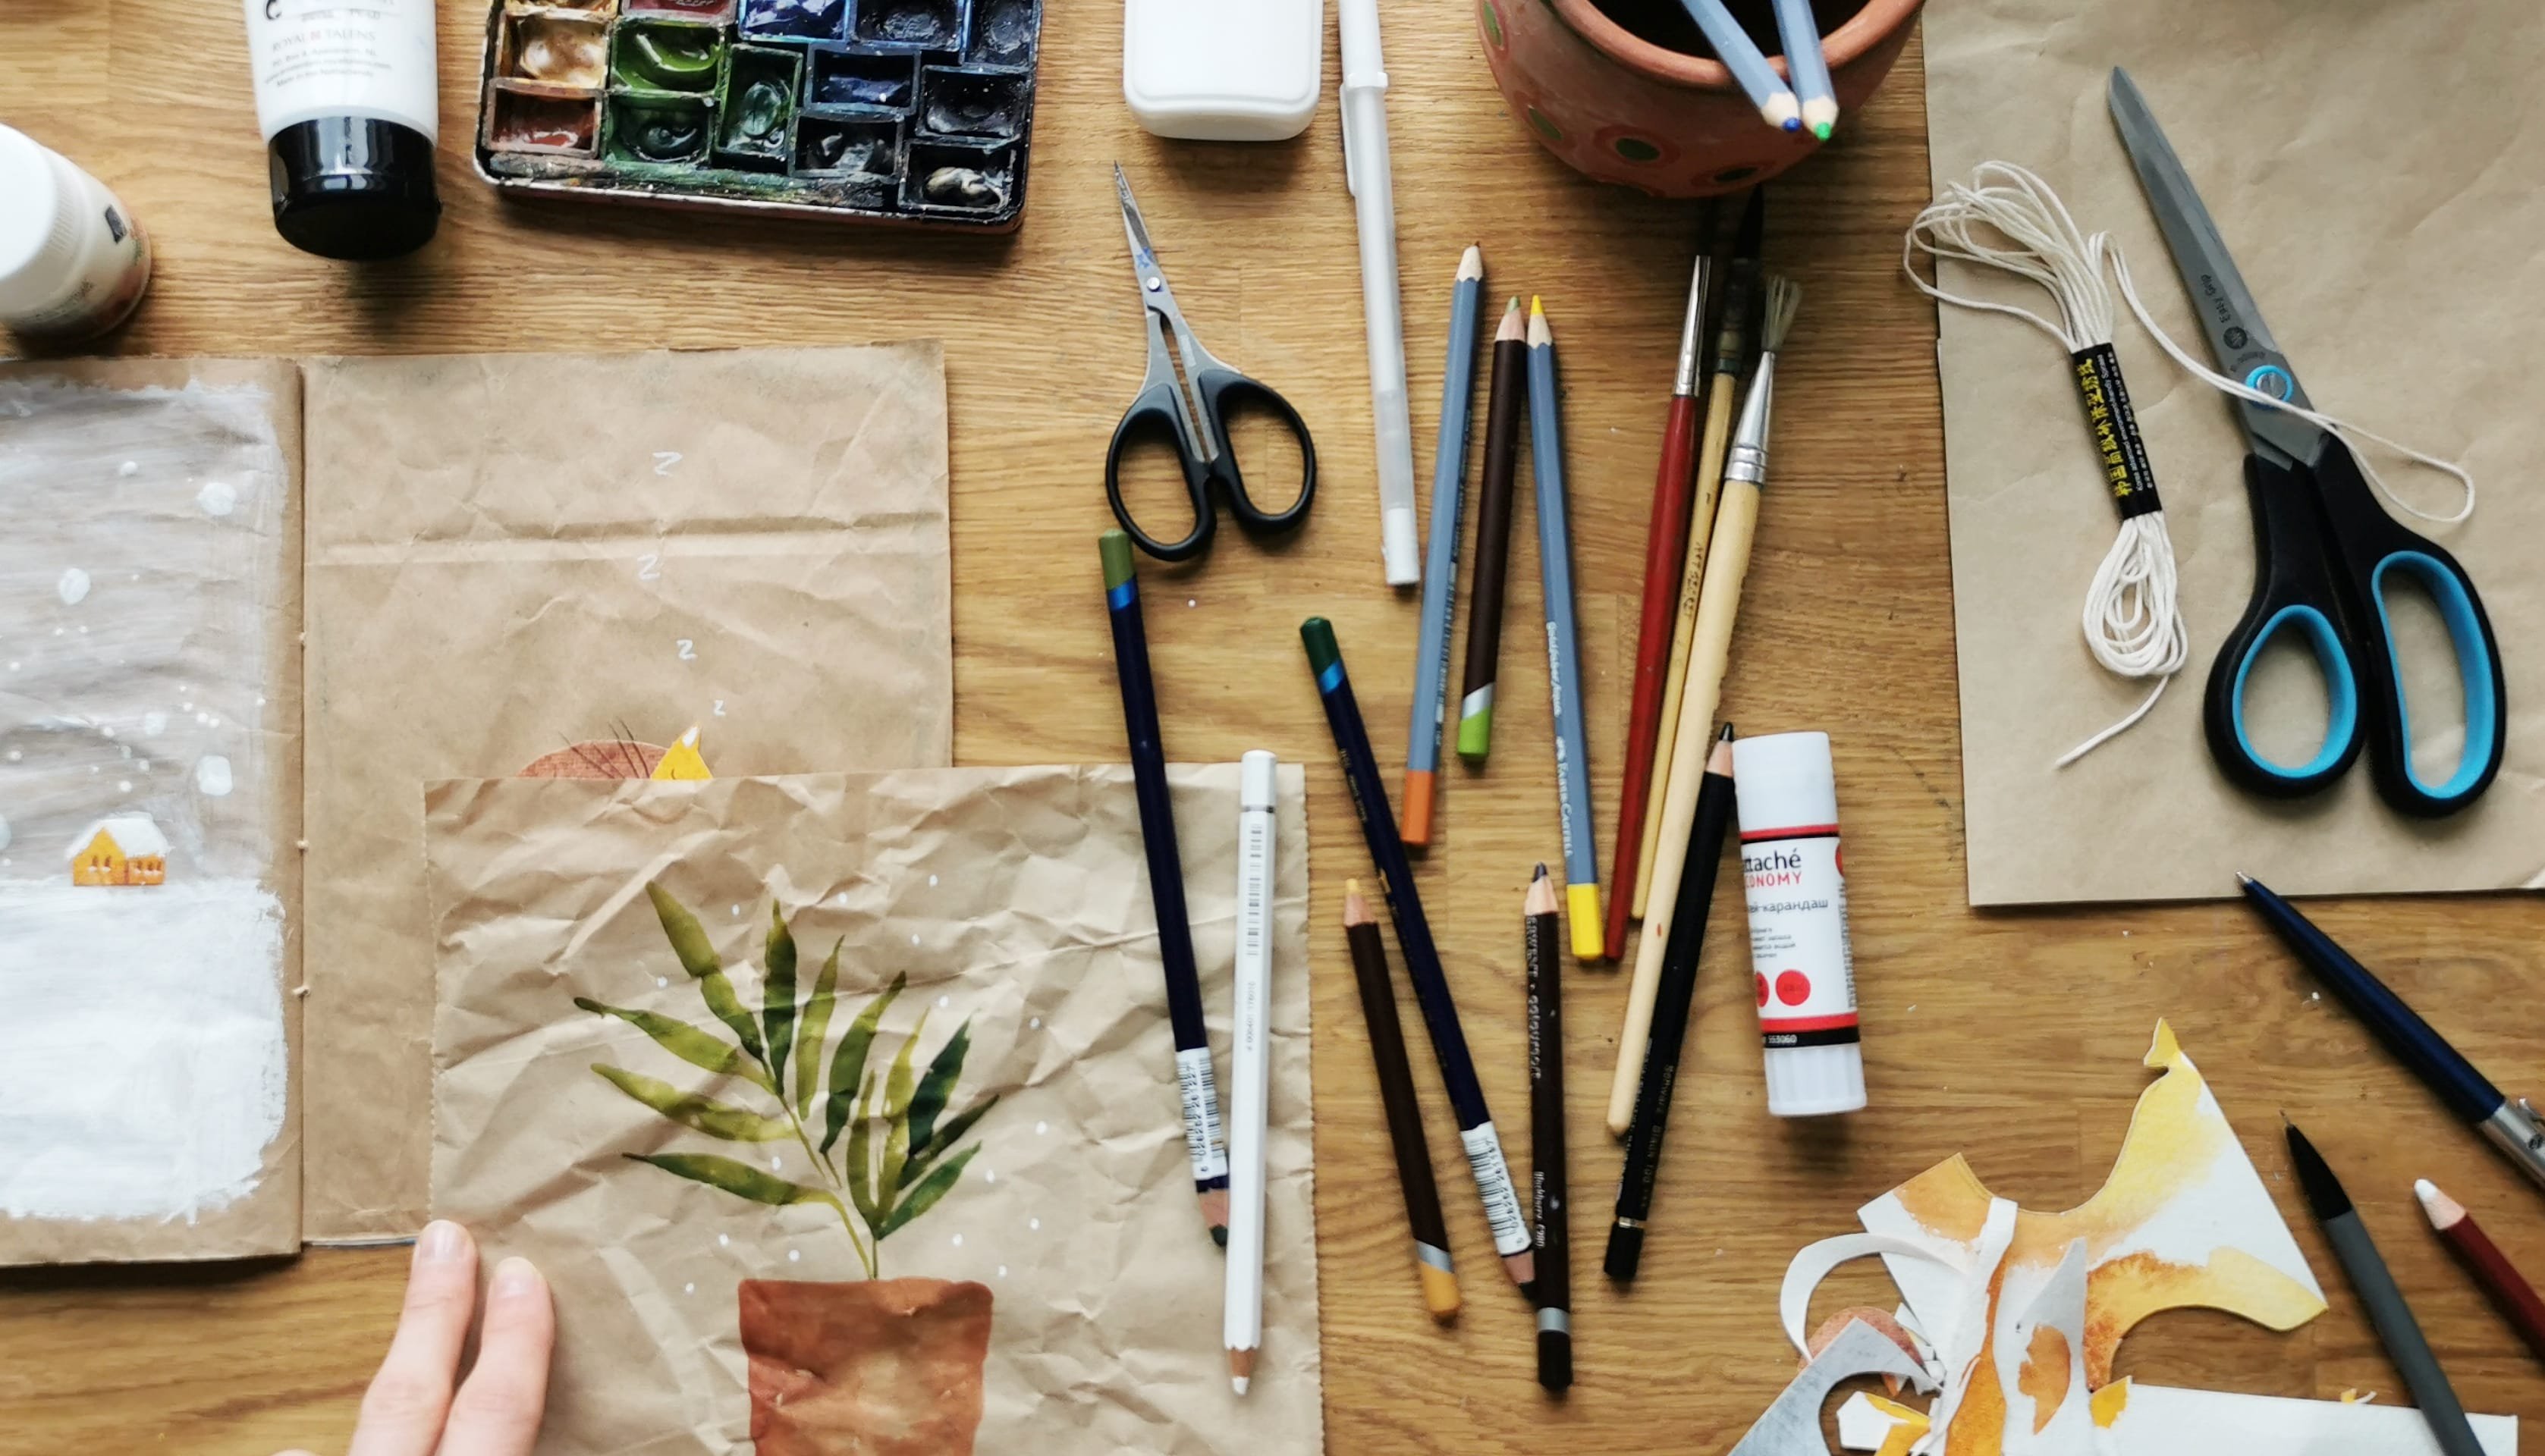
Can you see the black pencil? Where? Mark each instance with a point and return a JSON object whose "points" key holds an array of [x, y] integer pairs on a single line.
{"points": [[1404, 1114], [1553, 1291], [1506, 406], [1476, 1134], [1671, 995]]}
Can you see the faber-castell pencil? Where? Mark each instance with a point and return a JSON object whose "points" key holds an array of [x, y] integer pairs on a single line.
{"points": [[1808, 65], [2508, 1288], [1249, 1077], [1483, 1144], [1742, 56], [1440, 564], [1197, 1085], [1731, 339], [1665, 552], [1563, 643], [2505, 1123], [1404, 1114], [1718, 608], [1671, 1002], [1553, 1290], [2397, 1330], [1506, 403]]}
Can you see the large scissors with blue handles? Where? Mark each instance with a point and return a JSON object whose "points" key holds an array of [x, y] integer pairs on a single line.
{"points": [[1195, 421], [2325, 552]]}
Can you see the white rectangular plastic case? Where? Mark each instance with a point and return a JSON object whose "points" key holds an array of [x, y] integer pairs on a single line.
{"points": [[1223, 70]]}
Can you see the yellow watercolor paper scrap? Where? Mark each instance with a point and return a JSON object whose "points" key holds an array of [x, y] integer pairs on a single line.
{"points": [[683, 763]]}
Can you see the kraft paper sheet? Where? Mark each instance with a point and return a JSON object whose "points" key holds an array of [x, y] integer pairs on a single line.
{"points": [[1012, 899], [510, 553], [2379, 173]]}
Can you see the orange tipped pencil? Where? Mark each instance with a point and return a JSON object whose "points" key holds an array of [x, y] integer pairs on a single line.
{"points": [[1404, 1114], [2508, 1288]]}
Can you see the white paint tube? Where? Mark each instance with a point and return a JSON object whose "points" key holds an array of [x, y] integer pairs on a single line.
{"points": [[344, 96]]}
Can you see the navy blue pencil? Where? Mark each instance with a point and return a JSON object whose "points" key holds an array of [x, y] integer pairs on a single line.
{"points": [[2469, 1093], [1484, 1146], [1197, 1084]]}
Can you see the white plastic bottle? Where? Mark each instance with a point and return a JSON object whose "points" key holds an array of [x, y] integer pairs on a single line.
{"points": [[73, 262], [345, 95], [1794, 878]]}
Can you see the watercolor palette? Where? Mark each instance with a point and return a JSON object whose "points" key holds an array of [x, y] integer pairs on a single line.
{"points": [[909, 111]]}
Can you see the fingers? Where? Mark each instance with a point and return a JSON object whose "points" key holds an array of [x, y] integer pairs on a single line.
{"points": [[497, 1412], [403, 1410]]}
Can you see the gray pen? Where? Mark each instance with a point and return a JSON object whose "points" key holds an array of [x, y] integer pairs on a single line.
{"points": [[2397, 1330]]}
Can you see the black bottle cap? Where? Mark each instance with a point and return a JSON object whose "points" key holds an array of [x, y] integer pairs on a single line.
{"points": [[352, 188]]}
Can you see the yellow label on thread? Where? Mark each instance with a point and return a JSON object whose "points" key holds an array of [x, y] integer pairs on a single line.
{"points": [[1589, 933]]}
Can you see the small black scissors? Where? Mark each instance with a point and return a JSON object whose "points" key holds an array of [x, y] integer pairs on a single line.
{"points": [[1197, 428], [2325, 551]]}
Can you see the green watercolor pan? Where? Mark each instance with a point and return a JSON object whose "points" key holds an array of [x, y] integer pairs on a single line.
{"points": [[872, 111]]}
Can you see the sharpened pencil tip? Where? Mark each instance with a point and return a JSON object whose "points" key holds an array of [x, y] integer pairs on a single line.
{"points": [[1542, 872], [1536, 306], [1514, 325], [1220, 1238], [1822, 130], [1471, 263], [2243, 878], [2443, 1212]]}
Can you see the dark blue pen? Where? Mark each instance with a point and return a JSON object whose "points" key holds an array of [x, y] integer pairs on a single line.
{"points": [[2511, 1126]]}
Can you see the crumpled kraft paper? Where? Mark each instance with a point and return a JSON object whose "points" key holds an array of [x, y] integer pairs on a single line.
{"points": [[1012, 899], [509, 553], [2379, 173]]}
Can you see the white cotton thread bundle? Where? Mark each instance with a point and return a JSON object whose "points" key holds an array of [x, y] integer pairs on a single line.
{"points": [[2008, 218]]}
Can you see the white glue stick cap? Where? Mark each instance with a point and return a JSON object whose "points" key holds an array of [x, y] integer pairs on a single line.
{"points": [[1785, 780], [1256, 788], [1786, 786]]}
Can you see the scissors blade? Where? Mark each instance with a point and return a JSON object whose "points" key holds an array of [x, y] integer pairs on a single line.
{"points": [[2233, 322], [1132, 222]]}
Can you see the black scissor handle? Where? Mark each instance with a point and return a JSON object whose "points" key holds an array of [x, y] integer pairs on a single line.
{"points": [[1223, 390], [2293, 591], [2376, 552], [1156, 415]]}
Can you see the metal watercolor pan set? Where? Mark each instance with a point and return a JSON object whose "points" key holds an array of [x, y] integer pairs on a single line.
{"points": [[905, 110]]}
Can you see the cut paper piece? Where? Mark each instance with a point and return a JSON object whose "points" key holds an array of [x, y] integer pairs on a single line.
{"points": [[2043, 1368], [1869, 1423], [2160, 1421], [683, 763], [1792, 1425], [1816, 1260], [2183, 1221], [124, 850]]}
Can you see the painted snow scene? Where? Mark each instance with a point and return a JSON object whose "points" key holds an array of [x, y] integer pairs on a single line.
{"points": [[149, 801], [840, 1109]]}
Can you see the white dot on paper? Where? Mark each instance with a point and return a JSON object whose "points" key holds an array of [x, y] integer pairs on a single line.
{"points": [[914, 937], [1036, 1024], [988, 1176], [775, 1165], [795, 1256], [217, 498], [124, 786], [1003, 1271], [662, 980], [4, 834], [212, 776], [932, 880], [1040, 1128], [106, 732], [128, 470], [15, 756], [13, 667], [959, 1241], [689, 1289], [943, 1002], [737, 912], [1034, 1223], [73, 586], [722, 1240]]}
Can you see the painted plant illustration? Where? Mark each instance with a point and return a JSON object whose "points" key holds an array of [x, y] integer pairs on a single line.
{"points": [[880, 1146]]}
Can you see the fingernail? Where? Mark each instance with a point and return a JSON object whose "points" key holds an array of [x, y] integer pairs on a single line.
{"points": [[442, 1241], [516, 1276]]}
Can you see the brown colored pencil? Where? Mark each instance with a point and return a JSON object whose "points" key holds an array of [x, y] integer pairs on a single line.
{"points": [[1404, 1114], [1502, 414], [2509, 1290]]}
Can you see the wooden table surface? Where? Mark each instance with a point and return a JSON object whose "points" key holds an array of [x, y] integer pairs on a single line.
{"points": [[2013, 1037]]}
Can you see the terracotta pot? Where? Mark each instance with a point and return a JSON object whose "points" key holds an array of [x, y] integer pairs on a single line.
{"points": [[881, 1367], [1623, 110]]}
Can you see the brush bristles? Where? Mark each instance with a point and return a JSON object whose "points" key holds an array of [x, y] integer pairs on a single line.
{"points": [[1784, 295]]}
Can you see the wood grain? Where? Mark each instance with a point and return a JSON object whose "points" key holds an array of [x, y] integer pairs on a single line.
{"points": [[2012, 1038]]}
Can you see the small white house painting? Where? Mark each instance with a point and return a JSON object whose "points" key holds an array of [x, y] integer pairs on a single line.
{"points": [[121, 849]]}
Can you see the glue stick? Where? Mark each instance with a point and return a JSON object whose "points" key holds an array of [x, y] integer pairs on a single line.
{"points": [[1794, 878]]}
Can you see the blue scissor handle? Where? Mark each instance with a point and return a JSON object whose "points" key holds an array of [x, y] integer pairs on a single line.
{"points": [[2293, 590]]}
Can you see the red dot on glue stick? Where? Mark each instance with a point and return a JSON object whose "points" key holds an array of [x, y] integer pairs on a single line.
{"points": [[1793, 988], [1763, 986]]}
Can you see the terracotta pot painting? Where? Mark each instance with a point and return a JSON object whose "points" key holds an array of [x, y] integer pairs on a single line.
{"points": [[883, 1367]]}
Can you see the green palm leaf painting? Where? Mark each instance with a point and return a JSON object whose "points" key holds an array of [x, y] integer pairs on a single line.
{"points": [[899, 1158]]}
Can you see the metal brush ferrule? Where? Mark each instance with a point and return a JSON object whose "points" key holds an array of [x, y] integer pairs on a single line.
{"points": [[1691, 329], [1747, 461], [2514, 1129]]}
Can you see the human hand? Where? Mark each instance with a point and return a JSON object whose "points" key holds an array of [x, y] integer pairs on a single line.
{"points": [[412, 1408]]}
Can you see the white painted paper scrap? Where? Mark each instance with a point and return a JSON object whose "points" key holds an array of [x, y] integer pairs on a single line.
{"points": [[1864, 1426], [2162, 1421]]}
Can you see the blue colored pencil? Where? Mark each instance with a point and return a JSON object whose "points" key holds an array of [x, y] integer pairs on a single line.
{"points": [[1563, 645], [1748, 63], [1440, 563], [1808, 65], [1483, 1144]]}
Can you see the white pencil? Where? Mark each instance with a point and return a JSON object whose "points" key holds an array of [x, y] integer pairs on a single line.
{"points": [[1250, 1084], [1808, 65]]}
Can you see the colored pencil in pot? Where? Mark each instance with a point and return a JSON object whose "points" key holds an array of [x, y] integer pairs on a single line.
{"points": [[1505, 401], [1197, 1085], [1748, 65], [1563, 643], [2501, 1280], [1659, 1076], [1404, 1113], [1808, 64], [1718, 608], [1441, 566], [1483, 1144], [1553, 1290], [1665, 552], [1723, 381]]}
